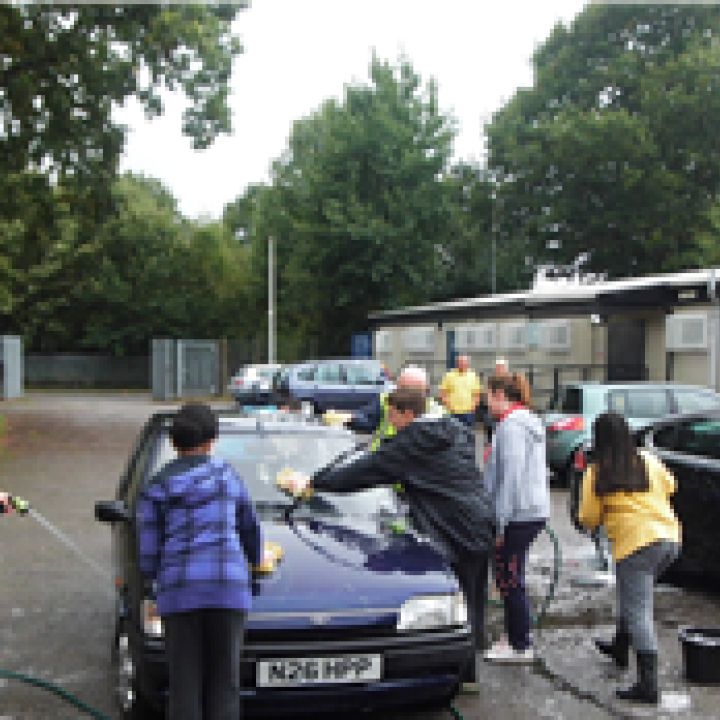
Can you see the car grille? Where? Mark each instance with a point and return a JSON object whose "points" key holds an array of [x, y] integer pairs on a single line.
{"points": [[316, 633]]}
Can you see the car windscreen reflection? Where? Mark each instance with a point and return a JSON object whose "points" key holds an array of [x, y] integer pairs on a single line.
{"points": [[258, 458]]}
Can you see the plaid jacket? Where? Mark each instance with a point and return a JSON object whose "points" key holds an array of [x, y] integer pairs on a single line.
{"points": [[197, 535]]}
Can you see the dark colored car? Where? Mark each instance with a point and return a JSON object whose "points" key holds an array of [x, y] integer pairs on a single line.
{"points": [[571, 415], [280, 386], [689, 445], [339, 384], [361, 613]]}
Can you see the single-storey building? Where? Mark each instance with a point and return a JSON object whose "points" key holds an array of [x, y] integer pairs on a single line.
{"points": [[659, 327]]}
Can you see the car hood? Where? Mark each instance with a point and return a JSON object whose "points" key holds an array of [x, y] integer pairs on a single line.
{"points": [[348, 564]]}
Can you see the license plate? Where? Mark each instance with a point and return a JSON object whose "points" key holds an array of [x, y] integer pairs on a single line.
{"points": [[290, 672]]}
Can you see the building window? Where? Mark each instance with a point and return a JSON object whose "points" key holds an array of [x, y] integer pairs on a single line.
{"points": [[686, 332], [419, 339], [555, 335], [382, 341], [513, 336], [480, 337]]}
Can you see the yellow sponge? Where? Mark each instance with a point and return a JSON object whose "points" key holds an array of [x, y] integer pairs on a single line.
{"points": [[272, 555]]}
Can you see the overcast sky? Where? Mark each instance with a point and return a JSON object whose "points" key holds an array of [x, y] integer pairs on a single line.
{"points": [[300, 52]]}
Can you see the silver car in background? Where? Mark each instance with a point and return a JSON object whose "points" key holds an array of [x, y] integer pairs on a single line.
{"points": [[252, 384]]}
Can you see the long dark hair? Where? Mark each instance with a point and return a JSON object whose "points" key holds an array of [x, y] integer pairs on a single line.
{"points": [[618, 465]]}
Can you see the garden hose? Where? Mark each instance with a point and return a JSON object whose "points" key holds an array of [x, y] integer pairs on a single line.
{"points": [[73, 700], [63, 694], [550, 595], [544, 605]]}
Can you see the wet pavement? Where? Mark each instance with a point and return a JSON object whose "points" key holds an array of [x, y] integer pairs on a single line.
{"points": [[63, 452]]}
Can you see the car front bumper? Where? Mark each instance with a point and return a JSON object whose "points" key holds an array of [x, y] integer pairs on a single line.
{"points": [[417, 671], [252, 396]]}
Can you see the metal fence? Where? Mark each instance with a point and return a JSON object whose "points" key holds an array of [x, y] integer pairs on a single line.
{"points": [[87, 371], [11, 366], [186, 368]]}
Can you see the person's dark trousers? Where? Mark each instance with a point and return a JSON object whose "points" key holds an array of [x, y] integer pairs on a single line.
{"points": [[203, 651], [487, 420], [510, 561], [472, 573], [489, 430], [466, 418]]}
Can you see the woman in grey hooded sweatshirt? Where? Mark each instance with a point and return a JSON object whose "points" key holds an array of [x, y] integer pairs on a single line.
{"points": [[516, 479]]}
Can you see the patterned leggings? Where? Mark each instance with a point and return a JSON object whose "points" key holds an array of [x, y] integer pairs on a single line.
{"points": [[510, 561]]}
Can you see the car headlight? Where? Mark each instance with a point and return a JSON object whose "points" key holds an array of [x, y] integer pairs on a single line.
{"points": [[431, 612], [152, 623]]}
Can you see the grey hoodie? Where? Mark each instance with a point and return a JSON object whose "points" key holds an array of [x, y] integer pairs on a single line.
{"points": [[516, 471]]}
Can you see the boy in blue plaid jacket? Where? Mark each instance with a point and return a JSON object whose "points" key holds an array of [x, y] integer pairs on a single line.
{"points": [[198, 538]]}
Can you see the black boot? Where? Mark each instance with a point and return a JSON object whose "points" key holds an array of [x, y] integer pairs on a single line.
{"points": [[469, 677], [618, 648], [645, 690]]}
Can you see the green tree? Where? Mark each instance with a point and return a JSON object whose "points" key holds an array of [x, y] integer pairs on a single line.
{"points": [[145, 272], [160, 275], [467, 241], [611, 152], [356, 207], [64, 66]]}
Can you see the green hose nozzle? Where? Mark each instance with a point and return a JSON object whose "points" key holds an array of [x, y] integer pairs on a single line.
{"points": [[18, 504]]}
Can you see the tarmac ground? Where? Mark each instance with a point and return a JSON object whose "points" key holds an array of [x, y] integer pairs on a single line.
{"points": [[63, 452]]}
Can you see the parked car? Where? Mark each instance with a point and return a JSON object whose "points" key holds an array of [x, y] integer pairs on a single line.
{"points": [[689, 445], [360, 614], [252, 384], [569, 420], [338, 384], [280, 386]]}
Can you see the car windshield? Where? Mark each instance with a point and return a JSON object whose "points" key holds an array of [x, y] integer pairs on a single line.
{"points": [[258, 457], [569, 401], [362, 373], [266, 373]]}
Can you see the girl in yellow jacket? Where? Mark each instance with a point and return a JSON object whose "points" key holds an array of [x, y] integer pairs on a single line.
{"points": [[628, 492]]}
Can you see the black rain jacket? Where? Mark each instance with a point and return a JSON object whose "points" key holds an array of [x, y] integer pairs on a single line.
{"points": [[434, 460]]}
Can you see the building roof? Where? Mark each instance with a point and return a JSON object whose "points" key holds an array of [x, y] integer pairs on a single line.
{"points": [[646, 290]]}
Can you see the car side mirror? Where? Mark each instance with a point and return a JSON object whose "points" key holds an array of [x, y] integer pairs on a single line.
{"points": [[111, 511]]}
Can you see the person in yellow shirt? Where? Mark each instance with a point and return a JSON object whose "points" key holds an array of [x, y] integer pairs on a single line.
{"points": [[628, 492], [460, 391]]}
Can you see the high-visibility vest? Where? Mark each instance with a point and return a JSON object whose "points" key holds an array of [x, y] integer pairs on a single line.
{"points": [[386, 429]]}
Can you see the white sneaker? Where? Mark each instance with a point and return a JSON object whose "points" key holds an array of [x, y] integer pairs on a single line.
{"points": [[499, 646], [506, 654]]}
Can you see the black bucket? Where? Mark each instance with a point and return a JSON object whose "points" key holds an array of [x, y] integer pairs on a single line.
{"points": [[701, 654]]}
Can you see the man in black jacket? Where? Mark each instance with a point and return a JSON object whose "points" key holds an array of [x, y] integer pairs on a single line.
{"points": [[433, 458]]}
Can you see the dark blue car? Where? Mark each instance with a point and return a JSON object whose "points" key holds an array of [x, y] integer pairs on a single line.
{"points": [[339, 384], [361, 614]]}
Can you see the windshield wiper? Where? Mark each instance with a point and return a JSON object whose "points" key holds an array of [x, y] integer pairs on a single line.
{"points": [[272, 505]]}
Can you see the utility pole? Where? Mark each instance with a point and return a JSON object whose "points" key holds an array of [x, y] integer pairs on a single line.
{"points": [[271, 300], [493, 241]]}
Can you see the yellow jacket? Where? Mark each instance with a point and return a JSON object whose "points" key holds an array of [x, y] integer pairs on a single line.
{"points": [[632, 520]]}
